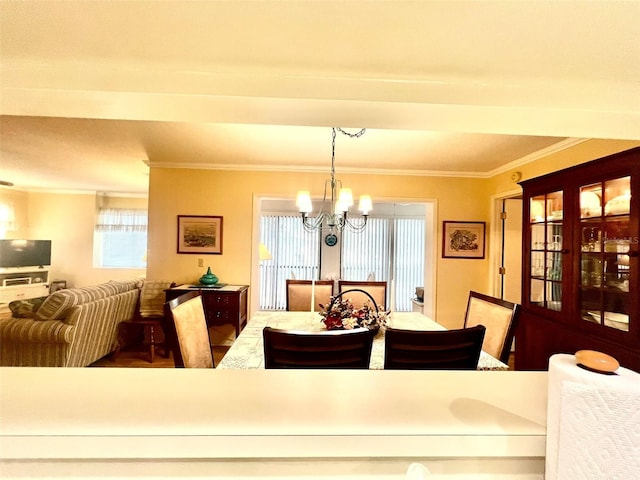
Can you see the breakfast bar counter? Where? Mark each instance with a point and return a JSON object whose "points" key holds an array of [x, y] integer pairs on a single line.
{"points": [[188, 423]]}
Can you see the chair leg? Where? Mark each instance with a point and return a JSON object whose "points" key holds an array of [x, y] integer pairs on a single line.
{"points": [[152, 342]]}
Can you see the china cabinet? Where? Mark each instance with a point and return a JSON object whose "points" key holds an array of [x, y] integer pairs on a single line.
{"points": [[580, 262]]}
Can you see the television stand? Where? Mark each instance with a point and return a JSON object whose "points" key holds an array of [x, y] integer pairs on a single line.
{"points": [[23, 283]]}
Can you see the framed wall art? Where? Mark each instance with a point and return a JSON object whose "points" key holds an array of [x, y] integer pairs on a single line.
{"points": [[463, 239], [199, 234]]}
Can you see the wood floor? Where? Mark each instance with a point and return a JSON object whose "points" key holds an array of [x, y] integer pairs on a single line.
{"points": [[137, 358]]}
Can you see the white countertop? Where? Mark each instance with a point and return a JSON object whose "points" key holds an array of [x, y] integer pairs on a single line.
{"points": [[191, 413]]}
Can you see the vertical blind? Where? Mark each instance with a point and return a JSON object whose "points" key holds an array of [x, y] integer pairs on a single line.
{"points": [[366, 254], [408, 265], [295, 254], [387, 245]]}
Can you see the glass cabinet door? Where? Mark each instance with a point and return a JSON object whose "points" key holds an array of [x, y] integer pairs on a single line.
{"points": [[604, 253], [546, 237]]}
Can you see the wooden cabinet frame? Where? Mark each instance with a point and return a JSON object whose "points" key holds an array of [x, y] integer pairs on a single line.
{"points": [[559, 320]]}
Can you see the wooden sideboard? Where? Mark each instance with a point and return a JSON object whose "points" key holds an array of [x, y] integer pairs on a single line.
{"points": [[222, 305]]}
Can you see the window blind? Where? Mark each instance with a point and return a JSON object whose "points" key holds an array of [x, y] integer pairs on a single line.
{"points": [[295, 254]]}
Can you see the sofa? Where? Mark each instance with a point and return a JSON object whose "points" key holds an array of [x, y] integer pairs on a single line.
{"points": [[69, 328]]}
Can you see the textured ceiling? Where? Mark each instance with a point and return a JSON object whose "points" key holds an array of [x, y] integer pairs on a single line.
{"points": [[93, 92]]}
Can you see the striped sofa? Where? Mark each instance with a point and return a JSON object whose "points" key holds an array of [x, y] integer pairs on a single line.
{"points": [[71, 327]]}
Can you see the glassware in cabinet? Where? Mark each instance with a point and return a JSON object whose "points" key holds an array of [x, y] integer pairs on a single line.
{"points": [[546, 215], [604, 260]]}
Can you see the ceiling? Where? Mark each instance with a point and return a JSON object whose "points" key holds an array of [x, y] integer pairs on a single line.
{"points": [[93, 93]]}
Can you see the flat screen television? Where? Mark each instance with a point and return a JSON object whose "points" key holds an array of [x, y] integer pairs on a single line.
{"points": [[25, 253]]}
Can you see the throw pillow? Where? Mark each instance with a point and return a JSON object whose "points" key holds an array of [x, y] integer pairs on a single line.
{"points": [[152, 298], [56, 305], [25, 308]]}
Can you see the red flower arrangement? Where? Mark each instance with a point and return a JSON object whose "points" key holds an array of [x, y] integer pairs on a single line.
{"points": [[340, 314]]}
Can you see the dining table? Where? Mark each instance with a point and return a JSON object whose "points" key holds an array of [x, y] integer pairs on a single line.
{"points": [[247, 351]]}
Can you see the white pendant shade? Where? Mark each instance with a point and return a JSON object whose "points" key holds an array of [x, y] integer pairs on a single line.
{"points": [[345, 198], [365, 205], [304, 201]]}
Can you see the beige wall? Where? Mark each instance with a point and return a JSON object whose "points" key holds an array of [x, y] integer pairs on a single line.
{"points": [[68, 219], [230, 194], [580, 153]]}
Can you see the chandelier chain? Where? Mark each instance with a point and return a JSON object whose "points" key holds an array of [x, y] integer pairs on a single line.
{"points": [[333, 143]]}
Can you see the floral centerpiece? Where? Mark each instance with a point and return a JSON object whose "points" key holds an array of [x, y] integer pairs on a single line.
{"points": [[340, 314]]}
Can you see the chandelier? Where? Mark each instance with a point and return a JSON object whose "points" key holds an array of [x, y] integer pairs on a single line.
{"points": [[336, 202]]}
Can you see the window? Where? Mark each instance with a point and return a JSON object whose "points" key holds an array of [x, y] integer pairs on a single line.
{"points": [[7, 219], [391, 245], [295, 254], [394, 245], [366, 254], [408, 260], [120, 238]]}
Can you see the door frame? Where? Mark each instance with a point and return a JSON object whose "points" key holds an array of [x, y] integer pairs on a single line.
{"points": [[430, 258], [496, 245]]}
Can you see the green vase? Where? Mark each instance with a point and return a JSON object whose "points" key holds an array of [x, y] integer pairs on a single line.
{"points": [[208, 278]]}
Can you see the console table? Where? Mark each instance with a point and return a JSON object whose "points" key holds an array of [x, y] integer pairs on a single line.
{"points": [[222, 304]]}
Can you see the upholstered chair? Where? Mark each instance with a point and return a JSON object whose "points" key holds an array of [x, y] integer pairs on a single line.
{"points": [[187, 331], [501, 319], [378, 290], [299, 294]]}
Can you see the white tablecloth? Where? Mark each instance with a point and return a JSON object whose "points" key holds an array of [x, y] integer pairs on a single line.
{"points": [[248, 351]]}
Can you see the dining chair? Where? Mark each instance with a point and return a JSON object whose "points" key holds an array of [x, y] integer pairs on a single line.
{"points": [[378, 290], [187, 331], [433, 349], [330, 349], [501, 319], [299, 294]]}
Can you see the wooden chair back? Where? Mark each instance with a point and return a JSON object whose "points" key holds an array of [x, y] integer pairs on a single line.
{"points": [[378, 290], [433, 350], [187, 331], [299, 294], [501, 319], [330, 349]]}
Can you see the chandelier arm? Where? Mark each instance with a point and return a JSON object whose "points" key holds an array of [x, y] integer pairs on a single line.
{"points": [[334, 220], [324, 198], [311, 225], [356, 227]]}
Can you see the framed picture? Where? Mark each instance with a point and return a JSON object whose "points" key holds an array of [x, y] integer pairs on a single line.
{"points": [[463, 239], [199, 234]]}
